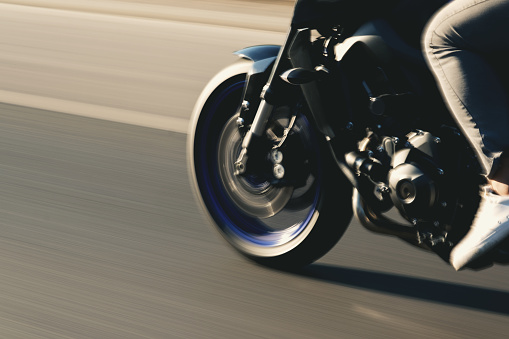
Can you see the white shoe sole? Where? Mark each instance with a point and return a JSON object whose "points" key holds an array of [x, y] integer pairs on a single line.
{"points": [[490, 228]]}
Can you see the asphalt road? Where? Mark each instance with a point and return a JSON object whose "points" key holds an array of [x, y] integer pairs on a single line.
{"points": [[100, 236]]}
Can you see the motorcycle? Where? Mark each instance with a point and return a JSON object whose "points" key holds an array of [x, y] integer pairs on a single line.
{"points": [[344, 119]]}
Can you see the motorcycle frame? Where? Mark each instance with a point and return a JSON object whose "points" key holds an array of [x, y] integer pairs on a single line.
{"points": [[296, 52]]}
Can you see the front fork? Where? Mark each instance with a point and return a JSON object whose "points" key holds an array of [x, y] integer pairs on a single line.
{"points": [[255, 132], [259, 124], [297, 49]]}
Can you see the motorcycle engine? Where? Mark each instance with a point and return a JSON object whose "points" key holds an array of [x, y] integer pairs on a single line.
{"points": [[415, 178]]}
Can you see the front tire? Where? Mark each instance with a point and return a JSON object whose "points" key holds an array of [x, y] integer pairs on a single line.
{"points": [[307, 221]]}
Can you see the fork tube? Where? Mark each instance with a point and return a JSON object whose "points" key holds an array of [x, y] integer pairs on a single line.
{"points": [[260, 119], [265, 107]]}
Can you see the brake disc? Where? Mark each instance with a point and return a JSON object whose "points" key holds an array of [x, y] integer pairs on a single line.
{"points": [[251, 193]]}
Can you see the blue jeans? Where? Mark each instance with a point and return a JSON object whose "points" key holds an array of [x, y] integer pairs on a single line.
{"points": [[458, 42]]}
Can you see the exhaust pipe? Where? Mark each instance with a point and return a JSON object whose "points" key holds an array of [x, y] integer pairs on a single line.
{"points": [[378, 223]]}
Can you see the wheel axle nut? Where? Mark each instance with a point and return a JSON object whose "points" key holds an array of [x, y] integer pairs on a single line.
{"points": [[276, 156], [278, 171]]}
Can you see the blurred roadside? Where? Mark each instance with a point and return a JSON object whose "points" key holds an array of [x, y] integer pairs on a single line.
{"points": [[276, 14], [142, 62]]}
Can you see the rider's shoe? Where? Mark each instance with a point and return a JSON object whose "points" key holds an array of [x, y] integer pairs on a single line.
{"points": [[489, 228]]}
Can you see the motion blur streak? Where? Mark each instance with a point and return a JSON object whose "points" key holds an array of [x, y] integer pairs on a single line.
{"points": [[94, 111], [198, 11], [99, 234], [127, 65]]}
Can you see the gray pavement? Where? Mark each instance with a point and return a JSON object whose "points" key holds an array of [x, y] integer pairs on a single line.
{"points": [[100, 238]]}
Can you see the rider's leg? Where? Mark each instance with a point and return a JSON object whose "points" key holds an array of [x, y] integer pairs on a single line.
{"points": [[457, 41]]}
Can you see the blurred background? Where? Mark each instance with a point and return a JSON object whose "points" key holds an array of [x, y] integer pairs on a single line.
{"points": [[100, 236]]}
